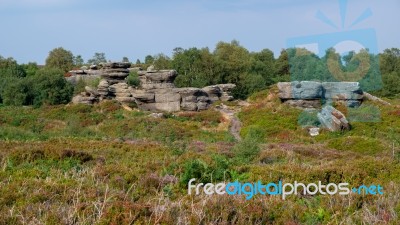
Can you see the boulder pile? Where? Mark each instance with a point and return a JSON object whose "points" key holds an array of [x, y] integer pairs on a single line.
{"points": [[156, 92]]}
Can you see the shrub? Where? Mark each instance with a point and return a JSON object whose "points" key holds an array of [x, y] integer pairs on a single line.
{"points": [[133, 79], [248, 149], [51, 87]]}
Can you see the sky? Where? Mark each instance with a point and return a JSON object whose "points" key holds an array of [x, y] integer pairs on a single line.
{"points": [[32, 28]]}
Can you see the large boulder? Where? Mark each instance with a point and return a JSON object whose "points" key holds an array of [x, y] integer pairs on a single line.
{"points": [[161, 107], [342, 90], [143, 96], [300, 90], [333, 119]]}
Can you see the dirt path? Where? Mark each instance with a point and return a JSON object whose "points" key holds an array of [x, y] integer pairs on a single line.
{"points": [[230, 114]]}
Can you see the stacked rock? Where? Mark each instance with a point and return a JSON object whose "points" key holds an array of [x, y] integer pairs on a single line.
{"points": [[310, 94], [157, 91], [112, 84]]}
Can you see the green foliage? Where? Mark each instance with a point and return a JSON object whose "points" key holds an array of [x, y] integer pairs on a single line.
{"points": [[61, 59], [161, 62], [309, 118], [218, 170], [364, 145], [99, 57], [51, 87], [246, 150], [30, 68], [78, 61], [133, 79]]}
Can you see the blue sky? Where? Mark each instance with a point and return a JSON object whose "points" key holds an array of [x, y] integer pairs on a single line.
{"points": [[31, 28]]}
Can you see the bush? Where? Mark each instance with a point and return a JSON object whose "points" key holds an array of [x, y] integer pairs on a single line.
{"points": [[248, 149], [133, 79], [51, 87]]}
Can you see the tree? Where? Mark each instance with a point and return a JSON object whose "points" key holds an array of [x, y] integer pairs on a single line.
{"points": [[162, 61], [60, 58], [30, 68], [98, 58], [10, 72], [390, 60], [125, 59], [51, 87], [138, 62], [149, 60], [196, 67], [78, 61]]}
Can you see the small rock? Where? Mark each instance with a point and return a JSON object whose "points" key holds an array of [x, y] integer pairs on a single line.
{"points": [[314, 131]]}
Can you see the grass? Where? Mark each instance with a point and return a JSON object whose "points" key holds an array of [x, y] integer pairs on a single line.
{"points": [[100, 164]]}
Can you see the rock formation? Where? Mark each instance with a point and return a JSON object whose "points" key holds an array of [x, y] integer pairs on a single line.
{"points": [[317, 95], [311, 94], [156, 92]]}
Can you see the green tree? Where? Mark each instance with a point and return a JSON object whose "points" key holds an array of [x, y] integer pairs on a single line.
{"points": [[196, 67], [263, 63], [390, 60], [125, 59], [51, 87], [78, 61], [148, 60], [10, 71], [60, 58], [162, 61], [233, 59], [99, 57], [30, 68]]}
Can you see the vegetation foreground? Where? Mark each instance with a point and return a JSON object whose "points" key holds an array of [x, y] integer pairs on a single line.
{"points": [[102, 164]]}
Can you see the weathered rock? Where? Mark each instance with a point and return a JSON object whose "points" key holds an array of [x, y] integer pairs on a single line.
{"points": [[79, 99], [333, 119], [342, 90], [161, 76], [157, 91], [305, 104], [313, 131], [143, 96], [125, 99], [214, 92], [226, 98], [161, 107], [300, 90], [189, 106], [167, 96], [202, 106], [91, 91]]}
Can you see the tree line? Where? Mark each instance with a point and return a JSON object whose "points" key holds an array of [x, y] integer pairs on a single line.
{"points": [[229, 62]]}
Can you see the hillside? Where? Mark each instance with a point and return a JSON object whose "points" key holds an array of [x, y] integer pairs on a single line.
{"points": [[79, 164]]}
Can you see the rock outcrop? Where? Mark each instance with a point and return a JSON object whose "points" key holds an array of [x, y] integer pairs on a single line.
{"points": [[321, 95], [112, 84], [311, 94], [156, 92]]}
